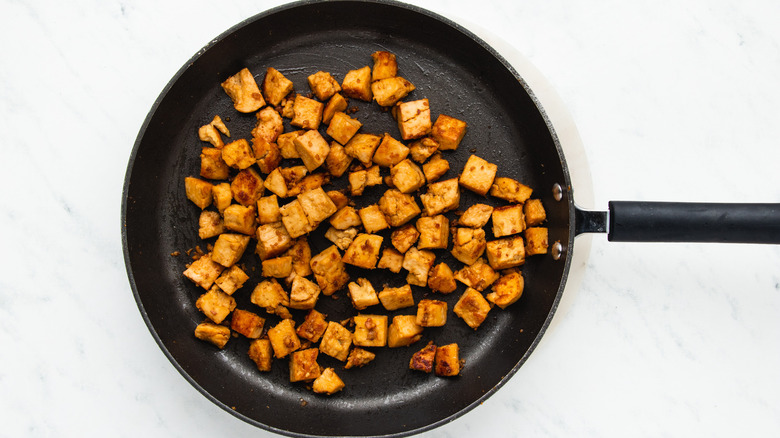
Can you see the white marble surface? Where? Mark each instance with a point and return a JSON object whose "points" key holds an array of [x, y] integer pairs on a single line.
{"points": [[673, 101]]}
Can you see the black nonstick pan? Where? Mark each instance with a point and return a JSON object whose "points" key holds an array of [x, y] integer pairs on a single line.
{"points": [[462, 77]]}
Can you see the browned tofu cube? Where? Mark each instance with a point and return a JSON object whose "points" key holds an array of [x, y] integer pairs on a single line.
{"points": [[213, 333], [287, 106], [478, 175], [240, 219], [309, 182], [373, 219], [476, 216], [307, 113], [390, 152], [423, 359], [364, 251], [327, 383], [414, 119], [313, 327], [394, 298], [212, 166], [536, 241], [341, 238], [362, 294], [283, 338], [447, 360], [431, 313], [418, 262], [510, 190], [362, 147], [231, 279], [360, 179], [441, 279], [468, 244], [276, 86], [303, 293], [204, 271], [335, 104], [346, 217], [534, 212], [267, 155], [507, 290], [229, 248], [404, 238], [472, 307], [238, 154], [423, 148], [276, 183], [391, 259], [477, 276], [337, 160], [247, 187], [223, 196], [359, 357], [247, 323], [210, 132], [268, 210], [434, 232], [505, 253], [304, 366], [269, 295], [272, 240], [508, 220], [278, 267], [269, 125], [294, 219], [385, 65], [403, 331], [210, 224], [343, 127], [294, 180], [286, 143], [198, 191], [435, 168], [370, 331], [407, 176], [244, 92], [336, 341], [339, 198], [312, 148], [323, 85], [317, 205], [441, 196], [448, 132], [357, 84], [399, 208], [388, 91], [301, 256], [261, 353], [329, 270], [215, 304]]}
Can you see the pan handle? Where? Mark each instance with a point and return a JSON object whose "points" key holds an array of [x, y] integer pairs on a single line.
{"points": [[633, 221]]}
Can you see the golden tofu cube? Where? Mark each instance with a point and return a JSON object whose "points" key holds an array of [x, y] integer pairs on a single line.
{"points": [[238, 154], [304, 366], [394, 298], [247, 323], [447, 360], [303, 293], [223, 196], [510, 190], [418, 262], [317, 205], [441, 196], [210, 134], [434, 232], [435, 168], [276, 86], [441, 279], [390, 151], [278, 267], [276, 183], [388, 91], [210, 224], [423, 148], [477, 276], [423, 359], [370, 331], [364, 251], [312, 148], [403, 331], [507, 290], [247, 187], [309, 182], [198, 191], [385, 65], [323, 85], [431, 313], [476, 216], [478, 175], [448, 132], [336, 341], [272, 240], [508, 220], [214, 333], [472, 307], [231, 279], [339, 199], [295, 179], [359, 357], [346, 217], [362, 294], [329, 270], [327, 383], [212, 166], [244, 92], [204, 271], [269, 124], [294, 219], [399, 208], [534, 212], [287, 106], [391, 259], [360, 179], [283, 338], [268, 210], [342, 127], [357, 84], [215, 304], [407, 176], [536, 241], [404, 238], [468, 244], [267, 155], [286, 143], [313, 327], [240, 219], [373, 219], [341, 238], [300, 252], [337, 160], [505, 253], [414, 119], [229, 248], [307, 113], [269, 295], [362, 147], [261, 353], [335, 104]]}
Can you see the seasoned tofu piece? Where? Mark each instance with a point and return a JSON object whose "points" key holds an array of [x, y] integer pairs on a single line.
{"points": [[272, 240], [276, 183], [229, 248], [434, 232], [268, 210], [313, 327], [362, 147], [261, 353], [508, 220], [507, 289], [337, 160], [301, 256], [390, 152], [414, 119], [370, 331], [360, 179], [312, 148], [269, 125], [476, 216], [510, 190], [215, 304], [536, 241], [441, 196], [277, 267], [210, 132], [478, 175], [403, 331], [247, 323], [373, 219], [339, 199], [247, 187], [286, 143], [394, 298], [341, 238], [294, 219], [362, 294], [359, 357], [472, 307], [364, 251], [204, 271], [391, 259], [327, 383], [287, 106], [468, 244], [407, 176], [346, 217], [399, 208], [336, 341], [505, 253], [423, 148], [240, 219], [212, 166], [404, 238], [335, 104], [309, 182], [329, 270], [269, 295], [307, 113], [441, 279], [423, 359], [231, 279], [418, 262], [304, 366], [534, 212], [198, 191], [267, 155], [385, 65], [217, 334], [303, 293], [435, 168], [276, 86], [291, 179], [223, 196], [477, 276], [283, 338], [447, 360], [343, 127], [448, 132], [244, 92], [210, 224], [357, 84], [431, 313], [323, 85], [317, 205], [388, 91]]}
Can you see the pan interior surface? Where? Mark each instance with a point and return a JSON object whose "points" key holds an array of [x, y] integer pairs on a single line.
{"points": [[462, 78]]}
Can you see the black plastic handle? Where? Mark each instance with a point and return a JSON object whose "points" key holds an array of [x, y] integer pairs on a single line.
{"points": [[631, 221]]}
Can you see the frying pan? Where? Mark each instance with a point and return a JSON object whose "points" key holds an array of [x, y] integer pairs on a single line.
{"points": [[461, 76]]}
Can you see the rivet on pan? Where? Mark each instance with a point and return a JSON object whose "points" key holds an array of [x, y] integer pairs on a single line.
{"points": [[557, 192], [557, 250]]}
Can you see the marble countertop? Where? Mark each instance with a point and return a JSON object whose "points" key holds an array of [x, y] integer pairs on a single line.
{"points": [[674, 101]]}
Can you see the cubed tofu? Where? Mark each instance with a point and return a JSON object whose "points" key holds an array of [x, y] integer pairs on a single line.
{"points": [[472, 307], [364, 251], [508, 220], [198, 191], [268, 210], [404, 238], [215, 304], [362, 294], [229, 248], [407, 176], [247, 187], [204, 271], [222, 195], [507, 289], [435, 168], [373, 219], [336, 341], [343, 127], [360, 179], [304, 366], [418, 262], [210, 134], [385, 65], [476, 216], [423, 148], [303, 293], [399, 208], [244, 92], [231, 279], [294, 219], [335, 104], [447, 360], [414, 119], [329, 270], [391, 259], [307, 113], [505, 253], [370, 330], [362, 147], [478, 276], [536, 241], [269, 125], [300, 252], [261, 353], [431, 313], [313, 327], [216, 334], [276, 183], [240, 219], [247, 323], [292, 178], [210, 224], [287, 106], [442, 279], [276, 86], [341, 238], [390, 152], [337, 160], [269, 295], [286, 142], [403, 331], [468, 244], [327, 383], [434, 232], [448, 132], [441, 196], [267, 155], [339, 199], [283, 338], [312, 148], [238, 154], [272, 240], [478, 175], [323, 85], [388, 91], [317, 206], [357, 84], [510, 190], [212, 166], [423, 360], [534, 212], [309, 182], [277, 267], [346, 217], [359, 357], [394, 298]]}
